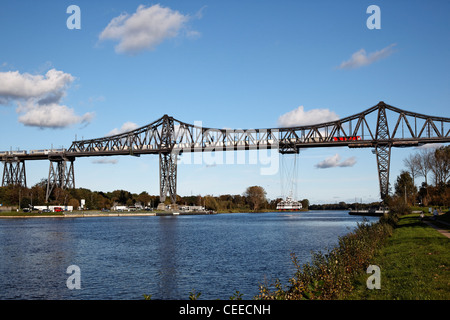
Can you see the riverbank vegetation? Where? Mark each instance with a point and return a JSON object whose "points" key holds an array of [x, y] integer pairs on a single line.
{"points": [[253, 199], [433, 166]]}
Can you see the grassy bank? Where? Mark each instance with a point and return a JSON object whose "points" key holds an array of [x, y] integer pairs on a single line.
{"points": [[414, 263], [414, 260]]}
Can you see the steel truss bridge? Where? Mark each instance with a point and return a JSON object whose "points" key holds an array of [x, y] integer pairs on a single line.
{"points": [[380, 127]]}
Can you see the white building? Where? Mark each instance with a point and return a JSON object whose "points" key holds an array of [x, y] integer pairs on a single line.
{"points": [[120, 208]]}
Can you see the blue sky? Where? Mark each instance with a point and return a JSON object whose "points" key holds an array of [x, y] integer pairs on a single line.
{"points": [[228, 64]]}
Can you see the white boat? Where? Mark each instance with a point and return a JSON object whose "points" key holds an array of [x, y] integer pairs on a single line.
{"points": [[289, 205]]}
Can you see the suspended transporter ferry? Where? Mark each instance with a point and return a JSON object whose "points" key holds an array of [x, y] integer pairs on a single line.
{"points": [[289, 205]]}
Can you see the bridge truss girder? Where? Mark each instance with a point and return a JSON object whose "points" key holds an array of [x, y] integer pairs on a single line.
{"points": [[167, 133]]}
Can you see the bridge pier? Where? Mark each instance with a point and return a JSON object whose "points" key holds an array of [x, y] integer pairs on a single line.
{"points": [[14, 172], [60, 175], [383, 153], [168, 176], [383, 150]]}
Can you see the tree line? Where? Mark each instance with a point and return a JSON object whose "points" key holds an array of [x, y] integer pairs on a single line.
{"points": [[433, 165], [254, 198]]}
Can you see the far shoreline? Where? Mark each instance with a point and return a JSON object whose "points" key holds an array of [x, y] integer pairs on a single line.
{"points": [[89, 214], [73, 215]]}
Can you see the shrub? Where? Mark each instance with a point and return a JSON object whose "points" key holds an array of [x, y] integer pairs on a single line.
{"points": [[398, 206], [390, 218]]}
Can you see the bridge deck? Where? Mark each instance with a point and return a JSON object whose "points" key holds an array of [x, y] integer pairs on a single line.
{"points": [[208, 147]]}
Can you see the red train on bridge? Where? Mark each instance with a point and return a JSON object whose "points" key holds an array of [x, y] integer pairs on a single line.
{"points": [[351, 138]]}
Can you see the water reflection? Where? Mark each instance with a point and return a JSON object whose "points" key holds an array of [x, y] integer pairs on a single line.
{"points": [[167, 256]]}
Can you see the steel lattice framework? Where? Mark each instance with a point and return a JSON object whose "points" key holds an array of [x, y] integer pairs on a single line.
{"points": [[383, 151], [380, 127], [14, 172], [61, 174]]}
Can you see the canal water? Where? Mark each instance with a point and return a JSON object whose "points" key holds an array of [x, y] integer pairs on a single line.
{"points": [[165, 257]]}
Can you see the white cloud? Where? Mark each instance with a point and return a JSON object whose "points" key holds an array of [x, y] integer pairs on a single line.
{"points": [[300, 117], [146, 28], [361, 58], [38, 98], [349, 162], [14, 85], [52, 116], [127, 126], [335, 161]]}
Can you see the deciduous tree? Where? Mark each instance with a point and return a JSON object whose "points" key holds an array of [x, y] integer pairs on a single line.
{"points": [[405, 188], [256, 197]]}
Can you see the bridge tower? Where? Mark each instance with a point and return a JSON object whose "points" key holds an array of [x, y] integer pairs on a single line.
{"points": [[14, 172], [167, 162], [383, 150], [168, 176], [60, 175]]}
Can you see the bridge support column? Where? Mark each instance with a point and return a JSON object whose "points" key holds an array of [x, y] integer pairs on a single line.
{"points": [[60, 175], [14, 172], [383, 150], [168, 176], [383, 161]]}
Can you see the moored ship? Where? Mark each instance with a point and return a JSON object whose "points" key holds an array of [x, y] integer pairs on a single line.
{"points": [[289, 205]]}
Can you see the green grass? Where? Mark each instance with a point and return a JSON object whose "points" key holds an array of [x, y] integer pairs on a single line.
{"points": [[414, 263]]}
